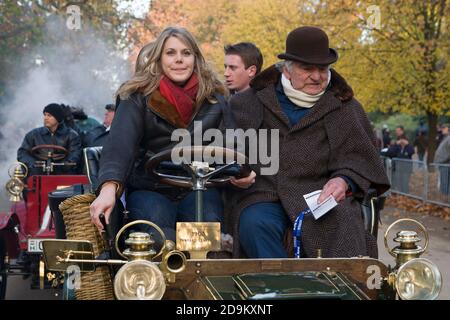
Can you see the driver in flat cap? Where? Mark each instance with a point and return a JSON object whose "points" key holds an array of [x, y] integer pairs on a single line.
{"points": [[325, 143]]}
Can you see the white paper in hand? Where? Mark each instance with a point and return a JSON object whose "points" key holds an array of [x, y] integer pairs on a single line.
{"points": [[319, 210]]}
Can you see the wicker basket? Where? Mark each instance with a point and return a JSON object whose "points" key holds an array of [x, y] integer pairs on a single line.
{"points": [[95, 285]]}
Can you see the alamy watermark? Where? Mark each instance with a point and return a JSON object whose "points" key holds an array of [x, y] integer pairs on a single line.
{"points": [[375, 279], [262, 146], [73, 21], [374, 20], [73, 277]]}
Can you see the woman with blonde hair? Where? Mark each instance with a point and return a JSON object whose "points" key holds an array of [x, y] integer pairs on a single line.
{"points": [[175, 88], [142, 58]]}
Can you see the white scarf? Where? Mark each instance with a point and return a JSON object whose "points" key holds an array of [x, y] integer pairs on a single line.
{"points": [[298, 97]]}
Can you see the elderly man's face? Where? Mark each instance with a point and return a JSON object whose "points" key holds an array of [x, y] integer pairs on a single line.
{"points": [[311, 79]]}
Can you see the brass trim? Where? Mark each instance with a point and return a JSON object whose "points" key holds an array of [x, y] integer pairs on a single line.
{"points": [[149, 223], [41, 274], [346, 281], [216, 295], [241, 285], [425, 232], [17, 173], [198, 237]]}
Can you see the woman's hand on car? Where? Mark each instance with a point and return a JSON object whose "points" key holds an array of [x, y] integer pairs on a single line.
{"points": [[104, 204], [244, 183]]}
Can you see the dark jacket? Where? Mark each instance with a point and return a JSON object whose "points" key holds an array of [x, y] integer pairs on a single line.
{"points": [[64, 137], [334, 139], [95, 137], [142, 127], [396, 151]]}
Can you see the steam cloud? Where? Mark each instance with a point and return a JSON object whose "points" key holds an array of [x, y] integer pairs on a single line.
{"points": [[78, 69]]}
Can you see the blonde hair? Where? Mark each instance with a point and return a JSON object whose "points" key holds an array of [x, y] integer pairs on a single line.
{"points": [[142, 57], [147, 80]]}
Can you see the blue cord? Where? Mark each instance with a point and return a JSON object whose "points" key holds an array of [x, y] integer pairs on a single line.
{"points": [[298, 232]]}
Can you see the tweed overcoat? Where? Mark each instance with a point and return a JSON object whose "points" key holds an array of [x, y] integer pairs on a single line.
{"points": [[334, 138]]}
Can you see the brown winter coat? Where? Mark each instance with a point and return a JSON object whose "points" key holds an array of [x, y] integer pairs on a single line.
{"points": [[334, 138]]}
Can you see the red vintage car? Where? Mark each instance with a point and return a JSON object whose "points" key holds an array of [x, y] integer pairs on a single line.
{"points": [[30, 220]]}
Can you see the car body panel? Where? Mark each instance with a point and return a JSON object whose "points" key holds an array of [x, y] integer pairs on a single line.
{"points": [[192, 283]]}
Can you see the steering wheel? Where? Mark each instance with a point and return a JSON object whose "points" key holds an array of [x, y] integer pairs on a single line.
{"points": [[216, 176], [41, 152]]}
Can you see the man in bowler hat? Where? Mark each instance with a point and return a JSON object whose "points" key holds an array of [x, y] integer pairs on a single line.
{"points": [[54, 132], [325, 143]]}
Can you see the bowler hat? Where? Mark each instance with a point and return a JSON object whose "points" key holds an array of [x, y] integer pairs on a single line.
{"points": [[309, 45]]}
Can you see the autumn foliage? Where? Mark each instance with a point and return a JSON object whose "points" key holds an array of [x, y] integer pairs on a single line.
{"points": [[414, 205], [393, 53]]}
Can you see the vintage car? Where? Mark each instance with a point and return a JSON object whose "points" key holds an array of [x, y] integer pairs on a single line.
{"points": [[137, 263], [29, 221]]}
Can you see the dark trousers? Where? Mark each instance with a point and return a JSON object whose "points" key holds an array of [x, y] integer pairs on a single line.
{"points": [[261, 230], [157, 208]]}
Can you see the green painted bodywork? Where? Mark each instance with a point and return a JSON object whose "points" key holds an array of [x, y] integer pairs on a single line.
{"points": [[298, 285]]}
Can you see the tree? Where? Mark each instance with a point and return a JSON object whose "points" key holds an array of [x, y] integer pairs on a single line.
{"points": [[162, 13], [402, 63], [394, 53], [23, 26], [215, 23], [19, 30]]}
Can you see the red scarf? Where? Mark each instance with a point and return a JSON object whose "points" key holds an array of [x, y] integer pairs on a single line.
{"points": [[182, 98]]}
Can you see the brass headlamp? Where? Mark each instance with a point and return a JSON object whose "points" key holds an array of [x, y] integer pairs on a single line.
{"points": [[15, 185], [140, 277], [413, 278], [408, 240], [140, 246]]}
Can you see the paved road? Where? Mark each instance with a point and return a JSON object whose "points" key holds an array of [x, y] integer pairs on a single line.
{"points": [[438, 252]]}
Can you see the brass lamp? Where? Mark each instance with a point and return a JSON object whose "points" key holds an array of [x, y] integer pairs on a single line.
{"points": [[413, 278], [141, 278], [15, 185]]}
